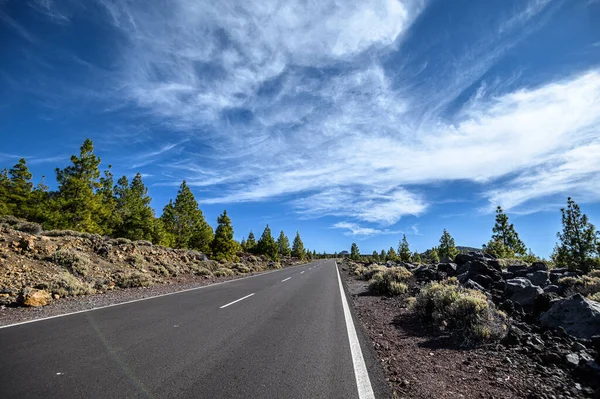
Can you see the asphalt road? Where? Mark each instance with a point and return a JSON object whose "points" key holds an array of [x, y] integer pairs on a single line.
{"points": [[287, 338]]}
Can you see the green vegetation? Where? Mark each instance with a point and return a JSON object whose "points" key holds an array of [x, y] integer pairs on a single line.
{"points": [[505, 242], [447, 248], [354, 252], [468, 311], [403, 250], [283, 245], [578, 245], [266, 245], [223, 245], [298, 247], [390, 281]]}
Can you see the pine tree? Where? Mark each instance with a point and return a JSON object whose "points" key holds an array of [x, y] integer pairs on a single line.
{"points": [[223, 245], [298, 247], [354, 252], [108, 219], [314, 254], [243, 245], [505, 242], [134, 218], [404, 250], [78, 205], [283, 245], [251, 243], [382, 256], [4, 192], [578, 243], [19, 190], [185, 222], [266, 245], [416, 257], [434, 257], [391, 255], [375, 256], [447, 248]]}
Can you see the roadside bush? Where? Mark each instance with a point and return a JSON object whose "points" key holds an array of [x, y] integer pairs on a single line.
{"points": [[75, 262], [28, 227], [594, 273], [390, 281], [460, 309], [584, 285], [65, 284], [159, 269], [136, 260], [223, 272], [595, 297], [241, 268], [133, 280], [370, 271], [202, 271]]}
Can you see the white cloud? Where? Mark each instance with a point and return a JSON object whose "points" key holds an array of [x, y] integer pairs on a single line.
{"points": [[354, 230]]}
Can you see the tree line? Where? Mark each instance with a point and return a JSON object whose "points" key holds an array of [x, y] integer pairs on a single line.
{"points": [[578, 246], [90, 201]]}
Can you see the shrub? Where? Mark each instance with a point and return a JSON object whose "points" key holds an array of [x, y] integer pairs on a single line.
{"points": [[136, 260], [390, 281], [370, 271], [159, 269], [464, 310], [28, 227], [241, 268], [65, 284], [585, 285], [132, 280], [223, 272], [75, 262], [595, 297], [143, 243], [594, 273], [202, 271]]}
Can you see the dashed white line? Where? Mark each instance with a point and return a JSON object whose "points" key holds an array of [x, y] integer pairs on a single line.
{"points": [[285, 279], [237, 300], [302, 271], [363, 383]]}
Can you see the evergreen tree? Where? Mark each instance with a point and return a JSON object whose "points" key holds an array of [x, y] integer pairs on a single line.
{"points": [[223, 245], [243, 245], [185, 222], [391, 255], [298, 247], [354, 252], [375, 256], [416, 257], [251, 243], [266, 245], [505, 242], [78, 206], [5, 209], [108, 218], [383, 256], [404, 250], [577, 243], [283, 245], [19, 190], [434, 257], [314, 254], [134, 218], [447, 248]]}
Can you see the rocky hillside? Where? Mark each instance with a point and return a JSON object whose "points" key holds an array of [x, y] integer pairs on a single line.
{"points": [[38, 266], [549, 316]]}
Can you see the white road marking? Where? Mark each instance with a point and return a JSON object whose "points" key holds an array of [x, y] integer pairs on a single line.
{"points": [[237, 300], [302, 271], [363, 383], [143, 299], [285, 279]]}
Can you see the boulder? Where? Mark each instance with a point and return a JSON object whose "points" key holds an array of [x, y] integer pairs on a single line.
{"points": [[448, 268], [34, 298], [522, 291], [539, 266], [479, 267], [517, 284], [446, 259], [539, 277], [471, 256], [482, 279], [577, 315], [426, 273], [474, 286], [518, 270], [555, 289]]}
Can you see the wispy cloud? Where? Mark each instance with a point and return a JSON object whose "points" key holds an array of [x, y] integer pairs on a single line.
{"points": [[354, 230], [293, 101]]}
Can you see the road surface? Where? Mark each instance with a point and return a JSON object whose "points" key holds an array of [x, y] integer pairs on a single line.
{"points": [[283, 334]]}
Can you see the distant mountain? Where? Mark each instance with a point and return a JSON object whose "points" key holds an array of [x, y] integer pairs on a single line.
{"points": [[468, 249]]}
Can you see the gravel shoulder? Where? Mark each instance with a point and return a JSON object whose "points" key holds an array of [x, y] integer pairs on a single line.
{"points": [[422, 362]]}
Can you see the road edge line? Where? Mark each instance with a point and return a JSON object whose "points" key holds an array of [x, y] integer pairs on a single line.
{"points": [[363, 382], [236, 301], [147, 298]]}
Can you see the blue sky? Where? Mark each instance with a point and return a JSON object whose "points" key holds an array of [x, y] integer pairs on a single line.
{"points": [[345, 120]]}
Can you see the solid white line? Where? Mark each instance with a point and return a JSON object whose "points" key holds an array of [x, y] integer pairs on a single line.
{"points": [[302, 271], [286, 279], [363, 383], [237, 300], [143, 299]]}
